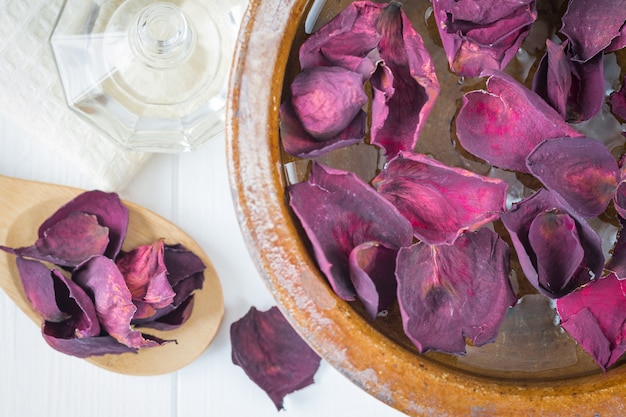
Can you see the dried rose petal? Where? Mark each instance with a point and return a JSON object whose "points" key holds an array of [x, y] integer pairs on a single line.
{"points": [[171, 318], [145, 275], [580, 170], [327, 99], [441, 202], [107, 207], [479, 35], [272, 354], [618, 101], [549, 239], [62, 304], [591, 26], [103, 281], [372, 268], [87, 346], [348, 40], [574, 89], [69, 241], [405, 86], [450, 293], [338, 212], [504, 124], [297, 142], [595, 316]]}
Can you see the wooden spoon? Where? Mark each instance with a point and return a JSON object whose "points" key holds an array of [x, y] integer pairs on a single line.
{"points": [[24, 205]]}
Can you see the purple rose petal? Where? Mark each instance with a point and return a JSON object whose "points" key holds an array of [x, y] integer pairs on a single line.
{"points": [[580, 170], [574, 89], [272, 354], [618, 101], [595, 316], [348, 40], [297, 142], [617, 262], [441, 202], [107, 207], [372, 268], [480, 35], [68, 242], [505, 123], [536, 227], [619, 199], [103, 281], [327, 99], [591, 26], [172, 319], [338, 212], [405, 86], [145, 274], [450, 293]]}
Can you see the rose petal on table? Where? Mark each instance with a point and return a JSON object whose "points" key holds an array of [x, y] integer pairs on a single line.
{"points": [[479, 35], [591, 26], [505, 123], [518, 221], [272, 354], [107, 207], [441, 202], [595, 316], [372, 268], [105, 284], [617, 99], [405, 86], [145, 274], [297, 142], [450, 293], [580, 170], [348, 40], [327, 99], [339, 211], [68, 242], [574, 89]]}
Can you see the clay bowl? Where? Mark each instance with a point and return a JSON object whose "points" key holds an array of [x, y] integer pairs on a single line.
{"points": [[533, 368]]}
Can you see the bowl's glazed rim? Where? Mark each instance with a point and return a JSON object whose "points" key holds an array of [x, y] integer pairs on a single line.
{"points": [[412, 384]]}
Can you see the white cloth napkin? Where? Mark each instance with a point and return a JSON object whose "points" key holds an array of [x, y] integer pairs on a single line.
{"points": [[32, 97]]}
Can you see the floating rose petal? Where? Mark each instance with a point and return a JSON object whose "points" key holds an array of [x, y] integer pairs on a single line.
{"points": [[504, 124], [595, 316], [479, 35], [145, 275], [580, 170], [297, 142], [618, 101], [574, 89], [68, 242], [103, 282], [549, 240], [441, 202], [338, 212], [349, 40], [405, 86], [108, 209], [450, 293], [272, 354], [372, 268], [591, 26], [327, 99]]}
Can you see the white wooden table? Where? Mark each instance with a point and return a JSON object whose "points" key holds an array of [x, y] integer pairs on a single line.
{"points": [[193, 191]]}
